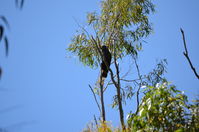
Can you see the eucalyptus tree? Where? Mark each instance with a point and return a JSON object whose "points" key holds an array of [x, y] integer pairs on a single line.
{"points": [[121, 25]]}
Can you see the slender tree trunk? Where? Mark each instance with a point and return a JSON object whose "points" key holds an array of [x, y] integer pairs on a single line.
{"points": [[120, 107], [119, 98], [103, 115]]}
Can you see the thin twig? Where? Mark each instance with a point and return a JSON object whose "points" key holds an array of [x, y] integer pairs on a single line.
{"points": [[127, 73], [128, 80], [140, 78], [96, 122], [95, 98], [114, 25], [109, 83], [187, 55]]}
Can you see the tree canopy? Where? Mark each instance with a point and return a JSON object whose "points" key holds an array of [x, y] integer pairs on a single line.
{"points": [[121, 25]]}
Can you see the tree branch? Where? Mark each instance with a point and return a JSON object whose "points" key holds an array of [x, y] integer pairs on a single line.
{"points": [[187, 55], [140, 83], [95, 121], [108, 83], [118, 87], [95, 98]]}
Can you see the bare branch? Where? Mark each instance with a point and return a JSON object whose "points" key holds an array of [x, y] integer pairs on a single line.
{"points": [[140, 78], [187, 55], [95, 121], [95, 98], [127, 73], [134, 80]]}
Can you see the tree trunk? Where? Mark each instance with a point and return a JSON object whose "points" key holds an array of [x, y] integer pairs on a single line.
{"points": [[120, 108], [103, 115], [119, 98]]}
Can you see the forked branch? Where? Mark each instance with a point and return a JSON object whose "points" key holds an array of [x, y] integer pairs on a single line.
{"points": [[186, 54]]}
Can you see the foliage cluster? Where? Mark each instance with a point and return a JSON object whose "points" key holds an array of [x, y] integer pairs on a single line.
{"points": [[163, 108]]}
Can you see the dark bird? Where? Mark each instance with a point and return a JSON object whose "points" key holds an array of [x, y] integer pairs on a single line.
{"points": [[106, 61]]}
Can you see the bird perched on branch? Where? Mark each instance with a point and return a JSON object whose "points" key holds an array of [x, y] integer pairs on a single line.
{"points": [[106, 61]]}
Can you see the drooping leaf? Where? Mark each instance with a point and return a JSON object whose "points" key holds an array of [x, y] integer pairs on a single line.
{"points": [[3, 18], [6, 45], [0, 73], [19, 3], [16, 3], [1, 32]]}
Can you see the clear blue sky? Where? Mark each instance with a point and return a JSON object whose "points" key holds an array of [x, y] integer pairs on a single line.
{"points": [[44, 91]]}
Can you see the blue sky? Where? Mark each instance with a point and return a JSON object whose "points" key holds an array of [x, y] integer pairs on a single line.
{"points": [[44, 91]]}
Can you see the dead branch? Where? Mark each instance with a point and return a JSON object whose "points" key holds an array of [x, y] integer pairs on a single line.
{"points": [[187, 55]]}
